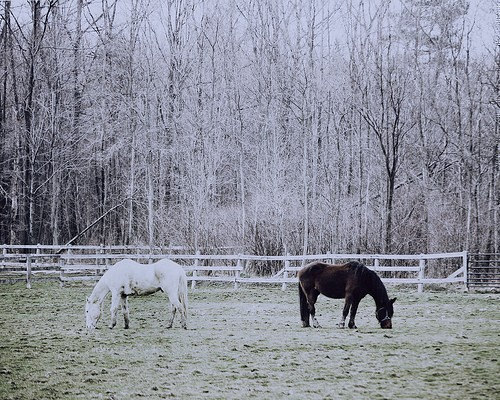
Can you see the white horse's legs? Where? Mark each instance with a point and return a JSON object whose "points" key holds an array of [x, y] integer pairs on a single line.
{"points": [[172, 316], [124, 303], [175, 306], [115, 303], [182, 313]]}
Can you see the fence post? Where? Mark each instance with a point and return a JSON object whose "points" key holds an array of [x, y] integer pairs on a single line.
{"points": [[237, 277], [107, 260], [285, 271], [376, 264], [61, 265], [28, 272], [421, 274], [37, 254], [465, 264], [4, 252], [195, 272], [98, 259]]}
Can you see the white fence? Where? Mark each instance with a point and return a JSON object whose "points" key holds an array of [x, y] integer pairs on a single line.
{"points": [[77, 263]]}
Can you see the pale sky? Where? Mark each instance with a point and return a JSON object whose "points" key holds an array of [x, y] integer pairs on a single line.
{"points": [[481, 14]]}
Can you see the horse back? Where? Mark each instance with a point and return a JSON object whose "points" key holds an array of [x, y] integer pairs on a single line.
{"points": [[168, 269], [334, 281]]}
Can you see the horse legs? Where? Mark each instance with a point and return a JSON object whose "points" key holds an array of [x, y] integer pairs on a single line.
{"points": [[345, 311], [175, 305], [124, 301], [172, 313], [354, 308], [115, 303], [182, 313], [312, 296]]}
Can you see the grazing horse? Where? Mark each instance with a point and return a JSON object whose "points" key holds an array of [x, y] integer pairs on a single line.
{"points": [[351, 281], [129, 278]]}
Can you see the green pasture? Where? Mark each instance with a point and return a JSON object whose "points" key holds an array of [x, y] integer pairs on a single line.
{"points": [[248, 343]]}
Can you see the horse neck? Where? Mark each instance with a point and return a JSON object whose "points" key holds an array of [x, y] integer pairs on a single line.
{"points": [[99, 293], [378, 291]]}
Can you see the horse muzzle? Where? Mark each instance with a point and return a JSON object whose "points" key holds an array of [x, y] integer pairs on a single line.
{"points": [[386, 324]]}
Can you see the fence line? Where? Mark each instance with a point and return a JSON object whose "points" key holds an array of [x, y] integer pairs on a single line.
{"points": [[74, 265], [484, 271], [71, 248]]}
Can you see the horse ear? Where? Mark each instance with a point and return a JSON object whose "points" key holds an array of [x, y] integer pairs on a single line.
{"points": [[392, 300]]}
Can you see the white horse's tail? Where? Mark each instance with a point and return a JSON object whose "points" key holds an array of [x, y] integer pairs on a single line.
{"points": [[183, 292]]}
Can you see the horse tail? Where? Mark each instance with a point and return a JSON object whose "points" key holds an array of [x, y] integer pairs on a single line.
{"points": [[304, 307], [183, 292]]}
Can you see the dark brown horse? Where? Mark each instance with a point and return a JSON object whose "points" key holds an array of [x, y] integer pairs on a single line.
{"points": [[351, 281]]}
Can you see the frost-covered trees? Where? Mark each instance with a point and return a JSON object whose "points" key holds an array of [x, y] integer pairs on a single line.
{"points": [[267, 125]]}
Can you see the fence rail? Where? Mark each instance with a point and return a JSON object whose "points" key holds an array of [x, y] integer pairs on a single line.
{"points": [[82, 263]]}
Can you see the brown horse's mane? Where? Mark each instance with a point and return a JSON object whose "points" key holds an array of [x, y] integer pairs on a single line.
{"points": [[379, 292]]}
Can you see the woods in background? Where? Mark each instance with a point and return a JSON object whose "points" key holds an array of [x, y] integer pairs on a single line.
{"points": [[314, 126]]}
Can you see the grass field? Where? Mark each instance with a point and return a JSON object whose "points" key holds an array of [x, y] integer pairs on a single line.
{"points": [[248, 343]]}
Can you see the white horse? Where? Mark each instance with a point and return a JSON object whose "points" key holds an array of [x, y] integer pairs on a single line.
{"points": [[128, 278]]}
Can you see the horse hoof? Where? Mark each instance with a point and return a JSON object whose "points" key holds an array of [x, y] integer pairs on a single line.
{"points": [[353, 327], [340, 326], [305, 325]]}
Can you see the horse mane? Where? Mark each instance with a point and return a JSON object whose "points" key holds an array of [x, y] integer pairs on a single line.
{"points": [[100, 291], [362, 272], [359, 269]]}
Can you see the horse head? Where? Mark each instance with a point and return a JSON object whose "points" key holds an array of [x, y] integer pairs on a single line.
{"points": [[92, 314], [385, 313]]}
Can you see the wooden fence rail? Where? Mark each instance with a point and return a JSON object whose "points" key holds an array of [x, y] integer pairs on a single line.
{"points": [[79, 263]]}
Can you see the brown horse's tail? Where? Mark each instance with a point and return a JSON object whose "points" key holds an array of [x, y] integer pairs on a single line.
{"points": [[304, 307]]}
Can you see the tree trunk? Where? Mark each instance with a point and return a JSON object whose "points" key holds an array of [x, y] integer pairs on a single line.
{"points": [[305, 242], [28, 113], [54, 208], [150, 194], [3, 98], [389, 210]]}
